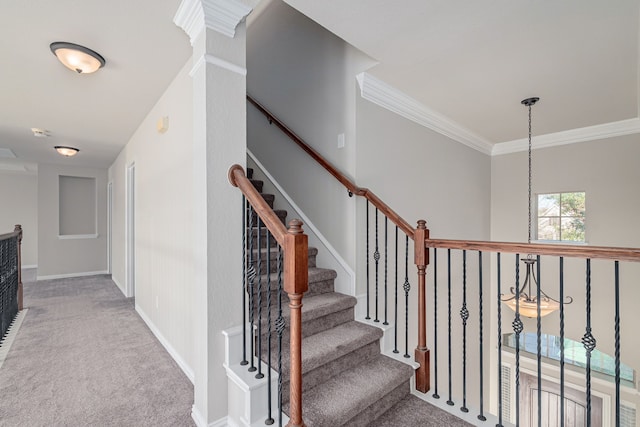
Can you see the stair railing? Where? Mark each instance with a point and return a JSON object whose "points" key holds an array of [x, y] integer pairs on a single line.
{"points": [[10, 278], [373, 260], [610, 264], [293, 254]]}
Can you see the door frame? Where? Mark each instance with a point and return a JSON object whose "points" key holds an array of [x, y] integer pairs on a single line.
{"points": [[130, 240]]}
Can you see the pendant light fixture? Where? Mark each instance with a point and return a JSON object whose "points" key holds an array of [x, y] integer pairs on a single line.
{"points": [[77, 58], [527, 303]]}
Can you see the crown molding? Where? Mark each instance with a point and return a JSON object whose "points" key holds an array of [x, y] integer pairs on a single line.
{"points": [[380, 93], [573, 136], [223, 16]]}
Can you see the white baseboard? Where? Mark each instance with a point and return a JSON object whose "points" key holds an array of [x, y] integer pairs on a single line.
{"points": [[122, 289], [25, 267], [172, 352], [69, 275]]}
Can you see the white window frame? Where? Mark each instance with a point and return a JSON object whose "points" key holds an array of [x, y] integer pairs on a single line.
{"points": [[535, 219]]}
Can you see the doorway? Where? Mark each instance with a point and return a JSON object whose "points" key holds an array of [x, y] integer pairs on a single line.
{"points": [[131, 231], [109, 225], [575, 402]]}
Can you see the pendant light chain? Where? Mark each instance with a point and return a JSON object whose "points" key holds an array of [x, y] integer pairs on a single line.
{"points": [[529, 241]]}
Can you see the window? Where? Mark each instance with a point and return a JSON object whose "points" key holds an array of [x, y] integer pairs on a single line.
{"points": [[560, 217]]}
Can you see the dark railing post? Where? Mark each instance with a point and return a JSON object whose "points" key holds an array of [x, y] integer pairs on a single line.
{"points": [[296, 283], [18, 229], [423, 383]]}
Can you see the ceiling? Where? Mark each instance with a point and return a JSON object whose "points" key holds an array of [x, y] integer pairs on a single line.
{"points": [[472, 62], [99, 112]]}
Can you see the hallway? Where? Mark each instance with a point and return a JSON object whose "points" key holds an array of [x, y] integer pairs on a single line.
{"points": [[84, 357]]}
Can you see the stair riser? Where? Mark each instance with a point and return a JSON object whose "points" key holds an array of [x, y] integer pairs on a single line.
{"points": [[282, 215], [309, 327], [273, 264], [366, 417], [315, 288], [329, 370]]}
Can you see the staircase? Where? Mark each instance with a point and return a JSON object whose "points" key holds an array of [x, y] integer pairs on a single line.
{"points": [[346, 379]]}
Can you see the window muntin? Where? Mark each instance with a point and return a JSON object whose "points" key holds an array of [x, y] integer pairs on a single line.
{"points": [[561, 217]]}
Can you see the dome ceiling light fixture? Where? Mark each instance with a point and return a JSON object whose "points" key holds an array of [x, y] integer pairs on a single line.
{"points": [[66, 151], [77, 58]]}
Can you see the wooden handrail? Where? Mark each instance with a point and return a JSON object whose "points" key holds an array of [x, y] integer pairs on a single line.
{"points": [[351, 187], [237, 178], [572, 251], [295, 246]]}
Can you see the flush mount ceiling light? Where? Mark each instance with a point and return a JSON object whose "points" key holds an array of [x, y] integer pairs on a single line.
{"points": [[40, 133], [66, 151], [78, 58]]}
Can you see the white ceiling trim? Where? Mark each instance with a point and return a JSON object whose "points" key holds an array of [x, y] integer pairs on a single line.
{"points": [[223, 16], [380, 93], [573, 136]]}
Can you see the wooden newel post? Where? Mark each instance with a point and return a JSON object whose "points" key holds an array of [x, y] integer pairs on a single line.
{"points": [[296, 283], [18, 229], [422, 353]]}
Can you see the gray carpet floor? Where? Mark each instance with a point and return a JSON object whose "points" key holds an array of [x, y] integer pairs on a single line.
{"points": [[84, 357]]}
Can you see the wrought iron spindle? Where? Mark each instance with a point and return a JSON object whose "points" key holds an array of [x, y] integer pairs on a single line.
{"points": [[407, 288], [518, 327], [464, 315], [499, 308], [539, 343], [450, 401], [367, 212], [589, 342], [269, 421], [481, 416], [280, 326], [562, 341], [386, 268], [259, 322], [435, 322], [244, 361], [617, 340], [252, 278], [395, 311], [376, 258]]}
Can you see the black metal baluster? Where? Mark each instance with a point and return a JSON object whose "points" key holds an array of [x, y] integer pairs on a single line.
{"points": [[481, 416], [539, 343], [518, 327], [499, 308], [280, 326], [269, 421], [395, 311], [368, 317], [244, 361], [464, 314], [617, 340], [589, 342], [259, 322], [376, 258], [561, 341], [450, 401], [407, 288], [386, 268], [252, 278], [435, 322]]}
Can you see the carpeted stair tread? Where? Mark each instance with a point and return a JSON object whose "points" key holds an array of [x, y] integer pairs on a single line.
{"points": [[317, 306], [324, 347], [257, 184], [413, 411], [338, 400]]}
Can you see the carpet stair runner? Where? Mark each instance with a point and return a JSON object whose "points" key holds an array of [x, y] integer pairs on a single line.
{"points": [[346, 380]]}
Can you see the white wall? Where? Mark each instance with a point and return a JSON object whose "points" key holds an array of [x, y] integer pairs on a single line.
{"points": [[75, 256], [607, 171], [306, 77], [19, 193], [424, 175], [164, 237]]}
